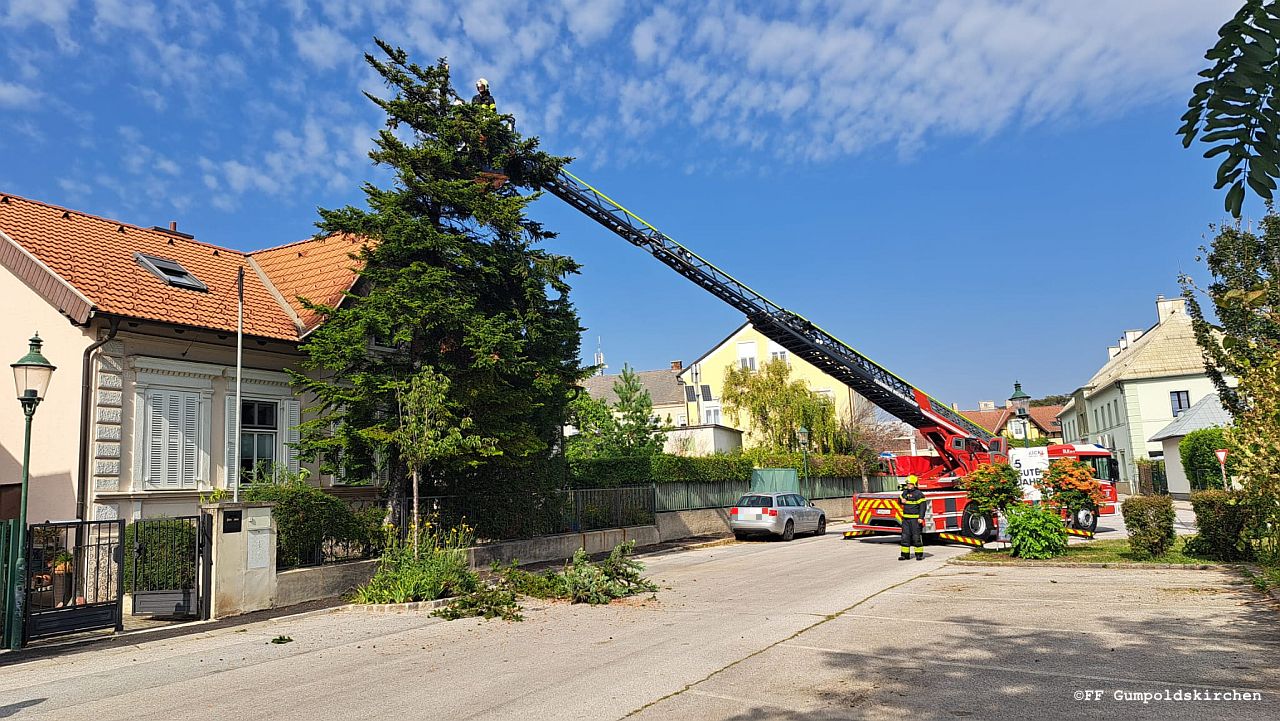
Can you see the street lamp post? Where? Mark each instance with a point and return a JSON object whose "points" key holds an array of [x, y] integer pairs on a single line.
{"points": [[31, 376], [802, 435], [1020, 401]]}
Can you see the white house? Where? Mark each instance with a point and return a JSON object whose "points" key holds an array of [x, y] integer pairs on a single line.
{"points": [[1206, 413], [141, 323], [1150, 378]]}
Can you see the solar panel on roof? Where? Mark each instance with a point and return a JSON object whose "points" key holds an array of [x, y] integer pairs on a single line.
{"points": [[706, 393], [690, 394]]}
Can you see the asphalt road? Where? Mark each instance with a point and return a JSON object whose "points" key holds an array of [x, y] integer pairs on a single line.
{"points": [[811, 629]]}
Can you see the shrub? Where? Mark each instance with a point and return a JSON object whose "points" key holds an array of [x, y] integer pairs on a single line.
{"points": [[720, 467], [992, 486], [1070, 484], [307, 519], [1036, 531], [1149, 520], [609, 472], [1221, 520], [1198, 458], [169, 545], [439, 569]]}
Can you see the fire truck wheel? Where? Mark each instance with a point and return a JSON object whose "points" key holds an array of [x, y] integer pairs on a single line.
{"points": [[976, 523], [1086, 519], [789, 531]]}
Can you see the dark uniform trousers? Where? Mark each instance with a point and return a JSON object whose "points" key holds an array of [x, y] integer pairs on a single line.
{"points": [[913, 505]]}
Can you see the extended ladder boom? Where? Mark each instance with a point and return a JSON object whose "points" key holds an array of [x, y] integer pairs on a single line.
{"points": [[789, 330]]}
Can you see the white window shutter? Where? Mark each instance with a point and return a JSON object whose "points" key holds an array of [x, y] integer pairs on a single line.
{"points": [[292, 419], [190, 440], [233, 443], [154, 474]]}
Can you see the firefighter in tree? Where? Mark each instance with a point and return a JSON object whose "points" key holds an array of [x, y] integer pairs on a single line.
{"points": [[913, 505]]}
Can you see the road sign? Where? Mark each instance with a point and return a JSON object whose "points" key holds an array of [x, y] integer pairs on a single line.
{"points": [[1221, 453], [1031, 464]]}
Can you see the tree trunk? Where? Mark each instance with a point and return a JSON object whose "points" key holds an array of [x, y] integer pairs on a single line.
{"points": [[416, 483]]}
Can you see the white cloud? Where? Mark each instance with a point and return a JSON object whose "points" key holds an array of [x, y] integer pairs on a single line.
{"points": [[55, 14], [591, 20], [13, 95], [324, 47]]}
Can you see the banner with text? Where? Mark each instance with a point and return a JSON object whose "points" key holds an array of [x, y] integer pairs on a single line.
{"points": [[1030, 463]]}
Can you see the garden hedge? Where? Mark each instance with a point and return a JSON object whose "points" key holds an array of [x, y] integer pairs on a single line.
{"points": [[1221, 519], [1149, 520], [665, 468]]}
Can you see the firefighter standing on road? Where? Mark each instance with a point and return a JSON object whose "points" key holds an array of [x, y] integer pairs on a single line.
{"points": [[913, 505]]}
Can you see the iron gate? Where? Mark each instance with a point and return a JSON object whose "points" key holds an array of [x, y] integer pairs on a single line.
{"points": [[167, 565], [73, 577]]}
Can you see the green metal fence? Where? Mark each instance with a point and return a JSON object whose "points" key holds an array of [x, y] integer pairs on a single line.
{"points": [[693, 495]]}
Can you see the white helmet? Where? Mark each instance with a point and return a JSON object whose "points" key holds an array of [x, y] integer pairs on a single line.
{"points": [[482, 84]]}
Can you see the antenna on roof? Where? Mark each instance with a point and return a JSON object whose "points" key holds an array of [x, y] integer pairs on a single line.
{"points": [[599, 358]]}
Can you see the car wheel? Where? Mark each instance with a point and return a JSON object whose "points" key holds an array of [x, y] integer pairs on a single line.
{"points": [[1085, 519], [976, 523], [822, 526], [789, 531]]}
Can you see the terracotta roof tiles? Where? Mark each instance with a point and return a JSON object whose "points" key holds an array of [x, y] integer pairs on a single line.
{"points": [[96, 256]]}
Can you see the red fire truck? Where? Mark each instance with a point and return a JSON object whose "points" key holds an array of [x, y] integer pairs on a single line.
{"points": [[949, 514], [961, 444]]}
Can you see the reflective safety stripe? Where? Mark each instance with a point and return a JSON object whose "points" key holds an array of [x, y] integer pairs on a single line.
{"points": [[919, 549], [906, 549], [908, 515]]}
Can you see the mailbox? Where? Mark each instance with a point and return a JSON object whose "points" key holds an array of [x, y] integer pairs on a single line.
{"points": [[231, 521]]}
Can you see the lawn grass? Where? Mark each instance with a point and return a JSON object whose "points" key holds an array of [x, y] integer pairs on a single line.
{"points": [[1112, 550]]}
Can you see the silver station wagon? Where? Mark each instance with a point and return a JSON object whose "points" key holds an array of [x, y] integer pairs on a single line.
{"points": [[778, 514]]}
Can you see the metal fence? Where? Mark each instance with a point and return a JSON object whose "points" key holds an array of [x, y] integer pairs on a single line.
{"points": [[498, 517], [694, 495]]}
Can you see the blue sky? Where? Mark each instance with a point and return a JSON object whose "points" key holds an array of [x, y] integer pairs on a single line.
{"points": [[969, 192]]}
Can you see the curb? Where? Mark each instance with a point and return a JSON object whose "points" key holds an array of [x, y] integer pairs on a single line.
{"points": [[393, 607], [1080, 564]]}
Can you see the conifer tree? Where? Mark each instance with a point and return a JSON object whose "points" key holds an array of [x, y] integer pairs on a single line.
{"points": [[452, 278]]}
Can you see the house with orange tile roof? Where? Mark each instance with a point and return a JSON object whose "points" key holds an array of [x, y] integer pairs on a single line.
{"points": [[139, 419], [1042, 421]]}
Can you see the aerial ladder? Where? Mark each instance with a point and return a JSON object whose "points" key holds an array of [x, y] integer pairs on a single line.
{"points": [[961, 444]]}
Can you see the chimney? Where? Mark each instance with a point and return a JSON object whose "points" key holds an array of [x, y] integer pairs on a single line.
{"points": [[173, 226], [1112, 352], [1169, 307], [677, 366]]}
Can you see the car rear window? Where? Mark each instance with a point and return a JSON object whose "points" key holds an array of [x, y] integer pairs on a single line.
{"points": [[755, 502]]}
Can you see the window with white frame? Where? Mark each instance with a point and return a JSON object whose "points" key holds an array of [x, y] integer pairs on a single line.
{"points": [[747, 355], [711, 414], [259, 437], [174, 425], [777, 352]]}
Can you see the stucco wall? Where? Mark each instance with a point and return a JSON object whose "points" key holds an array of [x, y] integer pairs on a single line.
{"points": [[300, 585], [55, 428], [156, 357], [710, 371], [1179, 485]]}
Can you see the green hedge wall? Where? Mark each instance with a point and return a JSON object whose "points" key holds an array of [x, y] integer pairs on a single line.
{"points": [[663, 468]]}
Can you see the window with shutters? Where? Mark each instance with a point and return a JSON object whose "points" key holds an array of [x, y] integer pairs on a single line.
{"points": [[174, 426], [259, 437]]}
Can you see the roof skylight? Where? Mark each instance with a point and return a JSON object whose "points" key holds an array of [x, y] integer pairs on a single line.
{"points": [[170, 272]]}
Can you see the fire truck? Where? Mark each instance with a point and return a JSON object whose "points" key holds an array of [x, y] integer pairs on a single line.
{"points": [[961, 444], [949, 516]]}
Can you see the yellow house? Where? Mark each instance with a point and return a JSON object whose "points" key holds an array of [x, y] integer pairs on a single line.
{"points": [[747, 347]]}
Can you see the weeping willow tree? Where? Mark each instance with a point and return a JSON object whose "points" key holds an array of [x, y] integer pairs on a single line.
{"points": [[775, 407]]}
